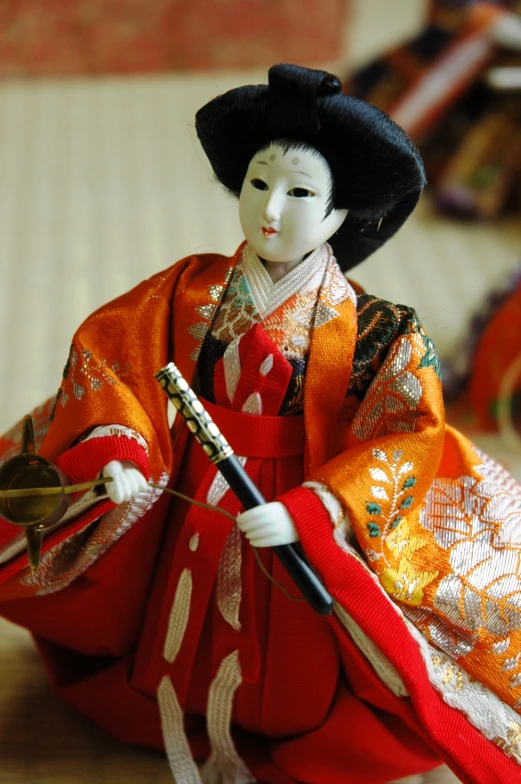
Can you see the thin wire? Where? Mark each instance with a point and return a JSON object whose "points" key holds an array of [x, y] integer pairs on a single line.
{"points": [[219, 510]]}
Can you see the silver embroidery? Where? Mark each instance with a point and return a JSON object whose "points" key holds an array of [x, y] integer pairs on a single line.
{"points": [[266, 365], [229, 586], [338, 287], [512, 663], [177, 749], [224, 765], [64, 562], [479, 522], [216, 293], [323, 314], [206, 311], [485, 710], [219, 486], [390, 405], [452, 641], [179, 614], [501, 647], [194, 543], [198, 331], [253, 404], [118, 430], [232, 368]]}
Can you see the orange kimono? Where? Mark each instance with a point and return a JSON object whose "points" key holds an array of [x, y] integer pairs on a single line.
{"points": [[154, 619]]}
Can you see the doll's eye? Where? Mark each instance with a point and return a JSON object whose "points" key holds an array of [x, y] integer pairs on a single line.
{"points": [[259, 184], [300, 193]]}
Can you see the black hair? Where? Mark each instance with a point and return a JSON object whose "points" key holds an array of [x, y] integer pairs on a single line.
{"points": [[377, 171]]}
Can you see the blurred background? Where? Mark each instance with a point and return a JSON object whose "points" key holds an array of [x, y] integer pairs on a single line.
{"points": [[103, 183]]}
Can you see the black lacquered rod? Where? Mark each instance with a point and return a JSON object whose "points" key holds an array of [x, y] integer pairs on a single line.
{"points": [[221, 453]]}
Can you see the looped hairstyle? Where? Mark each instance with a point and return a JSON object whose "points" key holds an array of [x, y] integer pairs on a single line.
{"points": [[377, 171]]}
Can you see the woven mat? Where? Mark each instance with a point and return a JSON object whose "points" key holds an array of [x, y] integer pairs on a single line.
{"points": [[44, 741]]}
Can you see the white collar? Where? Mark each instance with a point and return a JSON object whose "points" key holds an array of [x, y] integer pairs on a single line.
{"points": [[267, 295]]}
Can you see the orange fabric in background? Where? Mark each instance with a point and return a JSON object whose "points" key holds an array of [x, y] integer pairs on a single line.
{"points": [[498, 347]]}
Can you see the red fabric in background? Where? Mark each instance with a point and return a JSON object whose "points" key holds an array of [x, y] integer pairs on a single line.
{"points": [[62, 37]]}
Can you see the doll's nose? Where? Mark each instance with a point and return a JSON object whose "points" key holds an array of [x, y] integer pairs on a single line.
{"points": [[272, 208]]}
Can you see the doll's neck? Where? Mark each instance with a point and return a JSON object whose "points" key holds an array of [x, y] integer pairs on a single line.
{"points": [[279, 269]]}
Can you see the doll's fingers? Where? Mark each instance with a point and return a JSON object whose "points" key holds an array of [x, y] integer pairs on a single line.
{"points": [[252, 525], [115, 490], [259, 516], [142, 483], [113, 469], [136, 482]]}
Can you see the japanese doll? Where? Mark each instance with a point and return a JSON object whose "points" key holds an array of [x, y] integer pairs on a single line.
{"points": [[175, 627]]}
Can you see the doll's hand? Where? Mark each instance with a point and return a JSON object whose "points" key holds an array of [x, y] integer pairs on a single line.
{"points": [[128, 481], [268, 525]]}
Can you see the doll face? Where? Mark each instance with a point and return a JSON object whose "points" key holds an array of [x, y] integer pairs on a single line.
{"points": [[283, 204]]}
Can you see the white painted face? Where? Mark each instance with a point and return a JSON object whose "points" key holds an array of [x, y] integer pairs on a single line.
{"points": [[283, 204]]}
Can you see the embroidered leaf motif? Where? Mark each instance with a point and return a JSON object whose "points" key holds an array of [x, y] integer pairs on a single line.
{"points": [[373, 528], [430, 358], [378, 475], [394, 493], [379, 492], [478, 520], [407, 502]]}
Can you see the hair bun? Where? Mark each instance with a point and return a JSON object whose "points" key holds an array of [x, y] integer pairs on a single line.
{"points": [[293, 93], [330, 85]]}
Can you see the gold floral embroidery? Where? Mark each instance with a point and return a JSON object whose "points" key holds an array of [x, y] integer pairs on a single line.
{"points": [[405, 583]]}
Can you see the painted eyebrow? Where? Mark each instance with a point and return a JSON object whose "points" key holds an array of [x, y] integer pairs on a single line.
{"points": [[263, 163], [305, 174]]}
